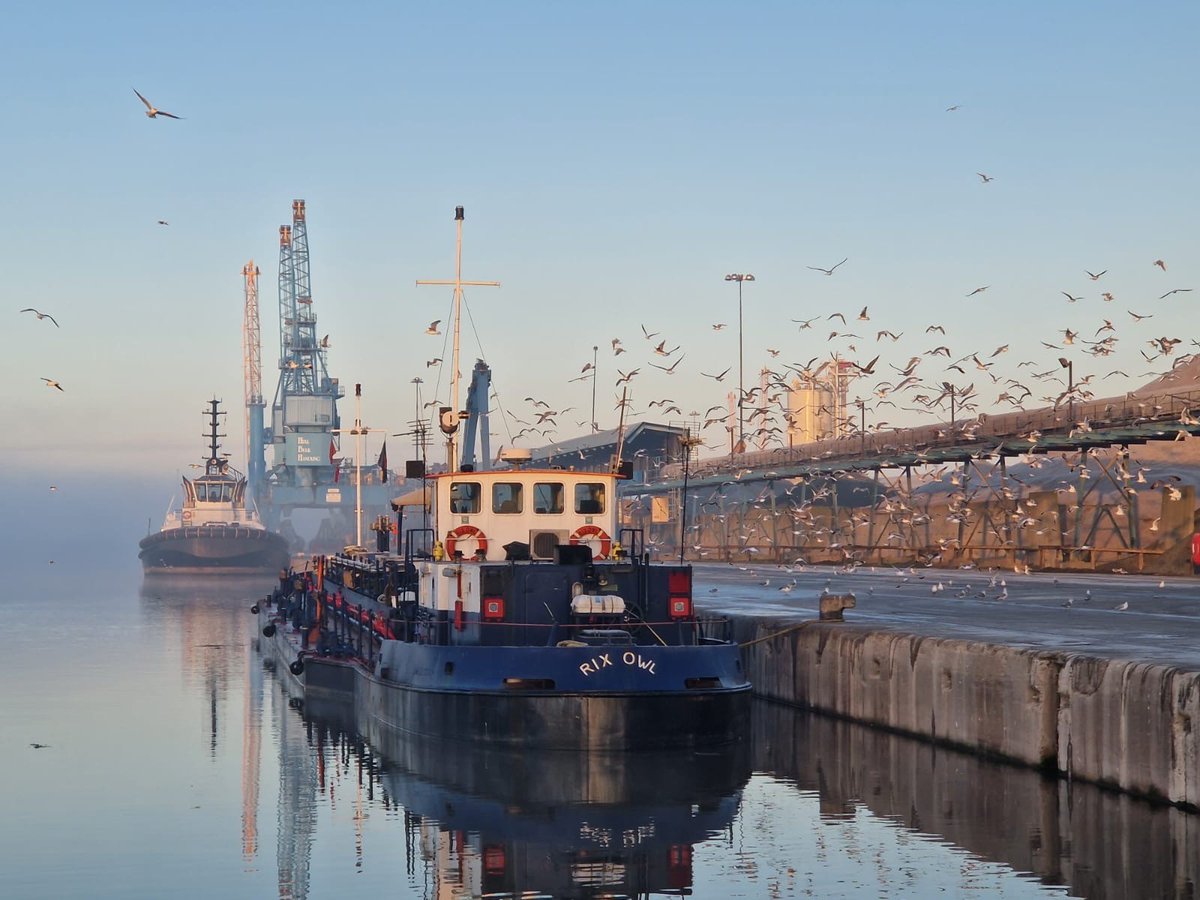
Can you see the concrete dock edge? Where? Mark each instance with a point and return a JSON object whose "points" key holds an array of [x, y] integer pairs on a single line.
{"points": [[1122, 724]]}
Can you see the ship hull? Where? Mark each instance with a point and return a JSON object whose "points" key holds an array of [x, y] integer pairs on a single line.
{"points": [[213, 550], [562, 720], [489, 696]]}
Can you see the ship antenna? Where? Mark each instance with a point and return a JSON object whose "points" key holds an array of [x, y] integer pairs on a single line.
{"points": [[450, 417], [214, 462]]}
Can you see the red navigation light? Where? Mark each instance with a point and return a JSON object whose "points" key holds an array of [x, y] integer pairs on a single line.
{"points": [[493, 608], [679, 581]]}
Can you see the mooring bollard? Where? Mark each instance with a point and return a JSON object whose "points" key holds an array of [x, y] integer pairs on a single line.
{"points": [[833, 604]]}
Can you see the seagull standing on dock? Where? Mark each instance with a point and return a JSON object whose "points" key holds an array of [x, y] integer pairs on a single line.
{"points": [[151, 111]]}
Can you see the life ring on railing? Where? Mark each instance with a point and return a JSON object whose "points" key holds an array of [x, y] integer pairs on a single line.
{"points": [[586, 534], [465, 532]]}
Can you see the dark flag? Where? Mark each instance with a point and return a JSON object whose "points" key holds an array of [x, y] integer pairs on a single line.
{"points": [[332, 451], [383, 461]]}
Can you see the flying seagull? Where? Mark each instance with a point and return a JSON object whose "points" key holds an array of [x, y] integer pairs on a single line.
{"points": [[1162, 265], [1095, 277], [826, 271], [41, 315], [985, 178], [1176, 291], [163, 222], [978, 290], [433, 327], [151, 111], [50, 382], [952, 108]]}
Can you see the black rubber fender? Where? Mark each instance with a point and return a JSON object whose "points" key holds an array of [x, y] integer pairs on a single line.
{"points": [[269, 630], [254, 609], [297, 667]]}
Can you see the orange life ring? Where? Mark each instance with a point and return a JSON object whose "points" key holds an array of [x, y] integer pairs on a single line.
{"points": [[588, 533], [468, 532]]}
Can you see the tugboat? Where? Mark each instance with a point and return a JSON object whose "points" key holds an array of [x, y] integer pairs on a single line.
{"points": [[213, 533], [521, 615]]}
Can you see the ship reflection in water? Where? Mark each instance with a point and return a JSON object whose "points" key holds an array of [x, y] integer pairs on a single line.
{"points": [[505, 823], [481, 824]]}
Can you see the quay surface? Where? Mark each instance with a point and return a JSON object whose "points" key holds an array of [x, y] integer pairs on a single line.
{"points": [[992, 662]]}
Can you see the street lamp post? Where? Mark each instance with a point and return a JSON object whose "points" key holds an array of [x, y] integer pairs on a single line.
{"points": [[740, 278], [1068, 365]]}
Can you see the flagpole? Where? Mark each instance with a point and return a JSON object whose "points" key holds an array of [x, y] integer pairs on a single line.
{"points": [[358, 431], [358, 465]]}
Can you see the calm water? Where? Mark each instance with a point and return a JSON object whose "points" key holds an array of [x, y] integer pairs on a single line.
{"points": [[176, 767]]}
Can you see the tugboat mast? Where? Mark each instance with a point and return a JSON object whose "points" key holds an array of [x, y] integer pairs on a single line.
{"points": [[451, 418], [214, 465]]}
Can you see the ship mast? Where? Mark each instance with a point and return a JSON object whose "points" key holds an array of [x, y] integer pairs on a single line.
{"points": [[451, 417], [214, 465]]}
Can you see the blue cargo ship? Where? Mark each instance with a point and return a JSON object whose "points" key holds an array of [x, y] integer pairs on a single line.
{"points": [[517, 612]]}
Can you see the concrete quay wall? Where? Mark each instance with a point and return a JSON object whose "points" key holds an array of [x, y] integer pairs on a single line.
{"points": [[1127, 725]]}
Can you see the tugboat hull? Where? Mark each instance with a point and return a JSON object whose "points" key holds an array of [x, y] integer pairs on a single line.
{"points": [[213, 550]]}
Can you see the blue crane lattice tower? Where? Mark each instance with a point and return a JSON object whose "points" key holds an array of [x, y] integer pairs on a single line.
{"points": [[304, 414]]}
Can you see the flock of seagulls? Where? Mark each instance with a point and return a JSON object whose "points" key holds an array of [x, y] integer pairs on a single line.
{"points": [[925, 384]]}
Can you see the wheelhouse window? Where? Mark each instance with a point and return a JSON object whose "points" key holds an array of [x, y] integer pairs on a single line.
{"points": [[548, 497], [589, 498], [506, 497], [214, 493], [464, 497]]}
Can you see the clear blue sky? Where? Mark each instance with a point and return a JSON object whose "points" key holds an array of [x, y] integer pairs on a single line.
{"points": [[615, 160]]}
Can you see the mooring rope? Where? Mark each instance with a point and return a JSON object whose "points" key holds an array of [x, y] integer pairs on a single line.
{"points": [[775, 634]]}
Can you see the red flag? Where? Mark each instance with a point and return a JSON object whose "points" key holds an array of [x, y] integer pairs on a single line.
{"points": [[334, 461], [383, 461]]}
